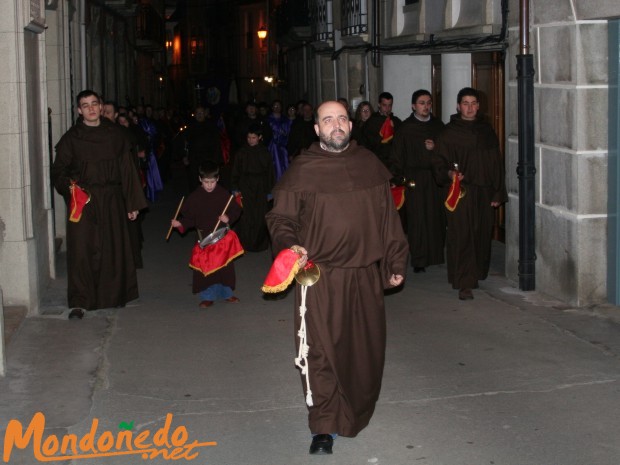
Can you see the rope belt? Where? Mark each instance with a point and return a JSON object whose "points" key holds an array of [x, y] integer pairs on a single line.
{"points": [[302, 355]]}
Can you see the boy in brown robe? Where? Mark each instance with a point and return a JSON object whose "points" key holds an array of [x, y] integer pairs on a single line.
{"points": [[333, 205], [202, 210]]}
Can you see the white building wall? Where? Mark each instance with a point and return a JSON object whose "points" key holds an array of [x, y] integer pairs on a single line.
{"points": [[403, 75], [455, 74]]}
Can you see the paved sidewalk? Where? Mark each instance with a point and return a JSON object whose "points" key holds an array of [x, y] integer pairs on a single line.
{"points": [[508, 378]]}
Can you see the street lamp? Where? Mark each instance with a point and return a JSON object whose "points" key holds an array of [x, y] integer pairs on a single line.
{"points": [[262, 33]]}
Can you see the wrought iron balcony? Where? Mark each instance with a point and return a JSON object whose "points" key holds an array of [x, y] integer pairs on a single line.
{"points": [[321, 12], [354, 16]]}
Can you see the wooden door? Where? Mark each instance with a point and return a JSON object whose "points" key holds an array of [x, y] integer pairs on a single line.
{"points": [[487, 76]]}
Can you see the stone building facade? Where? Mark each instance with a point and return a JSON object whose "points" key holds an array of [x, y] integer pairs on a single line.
{"points": [[355, 49], [444, 45], [569, 42], [50, 51], [26, 214]]}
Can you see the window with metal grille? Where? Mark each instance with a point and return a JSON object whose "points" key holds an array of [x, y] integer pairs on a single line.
{"points": [[354, 15]]}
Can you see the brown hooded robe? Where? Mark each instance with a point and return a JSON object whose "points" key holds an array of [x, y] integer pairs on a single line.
{"points": [[201, 211], [100, 265], [426, 217], [474, 146], [338, 206]]}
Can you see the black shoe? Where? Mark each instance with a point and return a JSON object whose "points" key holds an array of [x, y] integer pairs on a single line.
{"points": [[76, 314], [419, 269], [322, 444], [466, 294]]}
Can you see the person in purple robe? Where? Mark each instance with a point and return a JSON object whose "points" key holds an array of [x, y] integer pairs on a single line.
{"points": [[154, 183], [280, 127]]}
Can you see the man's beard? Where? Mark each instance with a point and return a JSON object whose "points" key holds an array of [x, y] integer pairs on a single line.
{"points": [[331, 145]]}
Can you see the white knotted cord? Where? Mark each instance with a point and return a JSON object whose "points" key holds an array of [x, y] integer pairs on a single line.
{"points": [[302, 355]]}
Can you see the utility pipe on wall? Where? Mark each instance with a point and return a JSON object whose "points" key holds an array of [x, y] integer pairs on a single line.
{"points": [[305, 72], [83, 64], [376, 33], [335, 64], [526, 168], [366, 79]]}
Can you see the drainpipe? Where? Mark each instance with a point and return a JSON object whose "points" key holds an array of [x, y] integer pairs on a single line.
{"points": [[335, 79], [366, 79], [83, 44], [305, 72], [526, 168], [376, 33]]}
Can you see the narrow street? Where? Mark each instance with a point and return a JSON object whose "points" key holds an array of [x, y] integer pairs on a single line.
{"points": [[509, 378]]}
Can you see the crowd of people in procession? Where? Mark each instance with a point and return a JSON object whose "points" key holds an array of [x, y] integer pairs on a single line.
{"points": [[320, 182]]}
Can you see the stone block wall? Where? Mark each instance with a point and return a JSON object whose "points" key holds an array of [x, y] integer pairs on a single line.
{"points": [[570, 59], [14, 220], [2, 343]]}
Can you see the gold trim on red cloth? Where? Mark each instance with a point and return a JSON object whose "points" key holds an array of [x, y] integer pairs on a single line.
{"points": [[454, 194], [216, 256], [282, 271], [79, 198]]}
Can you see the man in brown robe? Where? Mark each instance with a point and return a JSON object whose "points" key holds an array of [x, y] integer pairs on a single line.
{"points": [[253, 178], [134, 227], [374, 134], [412, 155], [96, 155], [470, 150], [333, 206], [202, 142], [302, 133]]}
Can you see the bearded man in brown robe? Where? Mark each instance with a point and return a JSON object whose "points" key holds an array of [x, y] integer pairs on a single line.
{"points": [[470, 150], [95, 155], [333, 205]]}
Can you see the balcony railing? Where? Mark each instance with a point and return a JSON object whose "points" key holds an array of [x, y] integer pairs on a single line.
{"points": [[322, 23], [354, 17]]}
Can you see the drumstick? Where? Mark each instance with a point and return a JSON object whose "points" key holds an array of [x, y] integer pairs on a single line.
{"points": [[175, 217], [225, 208]]}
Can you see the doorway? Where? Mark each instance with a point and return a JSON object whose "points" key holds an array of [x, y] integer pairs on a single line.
{"points": [[487, 76]]}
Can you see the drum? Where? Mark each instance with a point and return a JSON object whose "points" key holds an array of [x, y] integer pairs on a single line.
{"points": [[214, 237], [215, 251]]}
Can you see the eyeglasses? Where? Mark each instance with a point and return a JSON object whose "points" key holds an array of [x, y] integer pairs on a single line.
{"points": [[366, 110]]}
